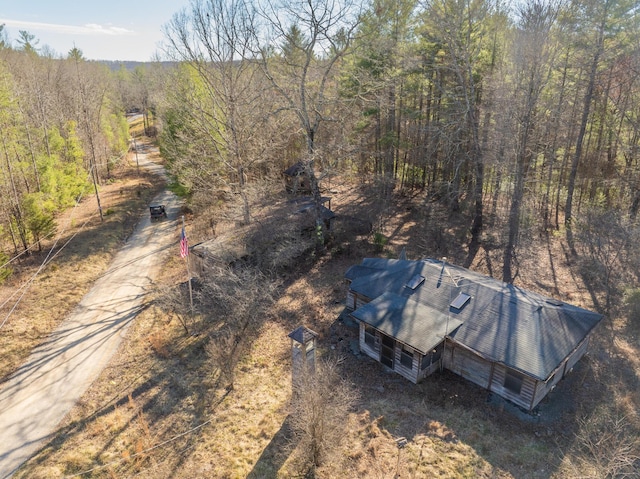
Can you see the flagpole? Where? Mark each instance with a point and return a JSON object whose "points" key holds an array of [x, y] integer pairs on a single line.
{"points": [[184, 231]]}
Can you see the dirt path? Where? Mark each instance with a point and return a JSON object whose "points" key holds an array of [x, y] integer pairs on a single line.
{"points": [[44, 389]]}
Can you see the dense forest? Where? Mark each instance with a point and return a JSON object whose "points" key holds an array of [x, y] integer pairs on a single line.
{"points": [[520, 120], [523, 116]]}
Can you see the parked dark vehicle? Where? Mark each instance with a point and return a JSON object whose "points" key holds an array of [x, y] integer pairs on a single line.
{"points": [[157, 212]]}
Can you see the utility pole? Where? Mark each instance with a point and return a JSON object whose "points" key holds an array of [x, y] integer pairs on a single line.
{"points": [[184, 252], [135, 148]]}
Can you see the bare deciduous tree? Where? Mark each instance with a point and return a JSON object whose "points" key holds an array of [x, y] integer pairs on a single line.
{"points": [[230, 112], [605, 240], [463, 30], [320, 407], [173, 300], [599, 24], [533, 63], [307, 40], [235, 302], [605, 447]]}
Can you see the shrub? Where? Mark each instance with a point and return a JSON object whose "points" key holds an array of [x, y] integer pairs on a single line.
{"points": [[632, 307], [5, 269], [379, 241]]}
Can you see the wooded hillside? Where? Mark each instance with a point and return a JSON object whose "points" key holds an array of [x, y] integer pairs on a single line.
{"points": [[505, 137]]}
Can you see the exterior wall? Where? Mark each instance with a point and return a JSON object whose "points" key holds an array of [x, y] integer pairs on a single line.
{"points": [[429, 370], [491, 376], [360, 301], [529, 386], [518, 388], [564, 369], [355, 301], [197, 263], [468, 365], [351, 301], [431, 362], [545, 388], [576, 355], [298, 183], [411, 373], [374, 351]]}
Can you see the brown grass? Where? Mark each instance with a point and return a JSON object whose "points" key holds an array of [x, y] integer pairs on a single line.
{"points": [[156, 413]]}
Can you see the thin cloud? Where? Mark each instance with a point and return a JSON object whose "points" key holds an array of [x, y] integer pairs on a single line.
{"points": [[88, 29]]}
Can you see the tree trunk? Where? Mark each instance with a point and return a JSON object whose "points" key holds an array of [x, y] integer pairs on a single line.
{"points": [[586, 110]]}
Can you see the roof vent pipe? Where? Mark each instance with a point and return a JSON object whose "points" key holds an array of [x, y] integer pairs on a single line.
{"points": [[444, 262]]}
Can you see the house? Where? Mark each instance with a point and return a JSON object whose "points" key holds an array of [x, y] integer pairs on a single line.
{"points": [[305, 209], [296, 179], [418, 317], [293, 218], [223, 250]]}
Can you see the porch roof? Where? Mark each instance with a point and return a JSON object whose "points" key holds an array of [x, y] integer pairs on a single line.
{"points": [[417, 325]]}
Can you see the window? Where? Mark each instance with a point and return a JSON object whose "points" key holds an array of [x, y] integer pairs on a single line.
{"points": [[513, 381], [426, 361], [406, 357], [369, 336], [387, 352], [432, 357]]}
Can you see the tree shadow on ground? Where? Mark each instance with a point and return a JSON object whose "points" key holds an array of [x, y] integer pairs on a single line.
{"points": [[275, 454], [144, 400]]}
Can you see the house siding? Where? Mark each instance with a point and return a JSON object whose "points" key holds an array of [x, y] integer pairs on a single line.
{"points": [[198, 263], [564, 369], [360, 301], [412, 374], [576, 355], [545, 388], [435, 365], [527, 391], [486, 374], [490, 375], [351, 301], [467, 364], [355, 301]]}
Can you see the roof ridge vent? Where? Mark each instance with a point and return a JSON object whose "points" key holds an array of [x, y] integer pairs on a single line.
{"points": [[554, 302]]}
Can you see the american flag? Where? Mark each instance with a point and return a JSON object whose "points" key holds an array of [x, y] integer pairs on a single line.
{"points": [[184, 244]]}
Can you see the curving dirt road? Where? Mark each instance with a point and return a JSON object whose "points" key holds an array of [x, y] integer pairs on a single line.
{"points": [[44, 389]]}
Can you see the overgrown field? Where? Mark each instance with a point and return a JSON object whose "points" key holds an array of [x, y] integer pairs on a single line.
{"points": [[161, 409]]}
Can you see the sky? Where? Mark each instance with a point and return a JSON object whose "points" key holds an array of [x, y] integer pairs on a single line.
{"points": [[116, 30]]}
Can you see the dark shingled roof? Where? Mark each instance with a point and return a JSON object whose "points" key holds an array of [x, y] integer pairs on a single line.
{"points": [[295, 169], [302, 334], [419, 326], [501, 322]]}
